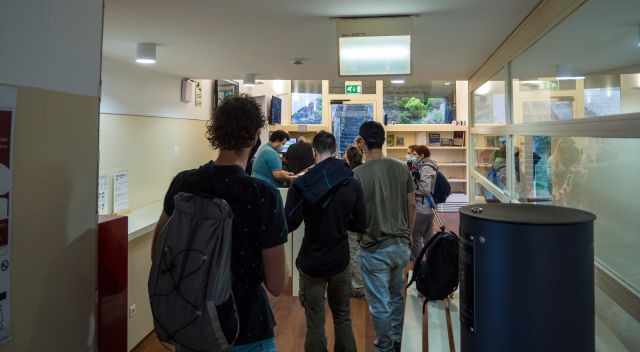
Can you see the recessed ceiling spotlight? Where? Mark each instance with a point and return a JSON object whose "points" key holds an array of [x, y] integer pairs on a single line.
{"points": [[298, 61], [397, 81], [146, 53]]}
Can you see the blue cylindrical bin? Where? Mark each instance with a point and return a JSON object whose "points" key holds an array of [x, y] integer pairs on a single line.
{"points": [[526, 279]]}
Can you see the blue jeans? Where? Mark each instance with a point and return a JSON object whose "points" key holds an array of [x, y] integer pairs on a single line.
{"points": [[268, 345], [383, 274]]}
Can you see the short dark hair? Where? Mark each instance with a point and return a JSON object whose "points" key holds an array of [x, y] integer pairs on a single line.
{"points": [[279, 136], [354, 157], [324, 142], [235, 123], [423, 150], [412, 148], [373, 134]]}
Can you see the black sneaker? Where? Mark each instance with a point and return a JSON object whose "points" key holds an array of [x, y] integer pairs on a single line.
{"points": [[397, 346]]}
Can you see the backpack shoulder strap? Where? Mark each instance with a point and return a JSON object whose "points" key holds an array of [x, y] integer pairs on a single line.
{"points": [[424, 250]]}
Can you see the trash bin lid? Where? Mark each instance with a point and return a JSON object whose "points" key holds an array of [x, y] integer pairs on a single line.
{"points": [[529, 214]]}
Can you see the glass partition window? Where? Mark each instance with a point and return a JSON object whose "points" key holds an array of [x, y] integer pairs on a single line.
{"points": [[483, 195], [429, 103], [489, 101], [595, 174], [584, 68], [491, 159], [306, 102]]}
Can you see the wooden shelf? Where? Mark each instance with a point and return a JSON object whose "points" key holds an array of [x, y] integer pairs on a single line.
{"points": [[424, 128], [453, 164], [487, 148], [457, 180], [435, 147], [300, 128]]}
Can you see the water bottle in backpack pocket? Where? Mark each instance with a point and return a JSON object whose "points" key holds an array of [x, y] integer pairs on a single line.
{"points": [[190, 287]]}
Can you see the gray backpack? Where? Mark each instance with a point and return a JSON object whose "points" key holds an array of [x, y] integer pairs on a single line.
{"points": [[190, 281]]}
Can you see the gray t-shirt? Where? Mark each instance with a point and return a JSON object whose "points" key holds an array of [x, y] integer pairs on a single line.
{"points": [[386, 184]]}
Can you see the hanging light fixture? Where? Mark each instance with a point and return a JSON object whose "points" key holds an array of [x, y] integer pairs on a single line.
{"points": [[146, 53], [249, 79]]}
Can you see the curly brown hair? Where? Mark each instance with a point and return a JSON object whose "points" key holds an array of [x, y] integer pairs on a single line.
{"points": [[235, 123], [423, 151]]}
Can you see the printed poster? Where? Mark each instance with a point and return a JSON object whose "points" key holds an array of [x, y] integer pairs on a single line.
{"points": [[6, 129]]}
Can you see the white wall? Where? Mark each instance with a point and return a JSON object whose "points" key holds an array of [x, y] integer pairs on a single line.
{"points": [[131, 89], [54, 45]]}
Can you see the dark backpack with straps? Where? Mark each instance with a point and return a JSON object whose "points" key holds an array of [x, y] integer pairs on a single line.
{"points": [[190, 281], [442, 188], [435, 271]]}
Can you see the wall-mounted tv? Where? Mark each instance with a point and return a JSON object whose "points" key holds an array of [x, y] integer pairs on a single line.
{"points": [[275, 116]]}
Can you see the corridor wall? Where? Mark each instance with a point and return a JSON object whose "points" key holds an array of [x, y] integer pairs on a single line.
{"points": [[51, 58], [147, 131]]}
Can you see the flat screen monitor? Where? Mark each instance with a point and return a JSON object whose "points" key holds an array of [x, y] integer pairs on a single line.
{"points": [[286, 146], [275, 117]]}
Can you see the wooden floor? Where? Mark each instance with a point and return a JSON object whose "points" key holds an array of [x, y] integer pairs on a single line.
{"points": [[291, 323], [291, 327]]}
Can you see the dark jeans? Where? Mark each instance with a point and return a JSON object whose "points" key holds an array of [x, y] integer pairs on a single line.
{"points": [[312, 297]]}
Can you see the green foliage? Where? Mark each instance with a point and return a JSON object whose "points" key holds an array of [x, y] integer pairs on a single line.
{"points": [[415, 107]]}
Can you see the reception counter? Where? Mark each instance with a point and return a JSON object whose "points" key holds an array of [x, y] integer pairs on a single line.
{"points": [[292, 248]]}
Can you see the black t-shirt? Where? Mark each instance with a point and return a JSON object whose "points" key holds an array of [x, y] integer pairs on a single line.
{"points": [[258, 223]]}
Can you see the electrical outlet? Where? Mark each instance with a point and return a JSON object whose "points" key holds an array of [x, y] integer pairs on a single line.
{"points": [[132, 311]]}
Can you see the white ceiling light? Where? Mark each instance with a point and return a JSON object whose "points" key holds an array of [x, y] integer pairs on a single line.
{"points": [[397, 81], [146, 53], [375, 55], [447, 83]]}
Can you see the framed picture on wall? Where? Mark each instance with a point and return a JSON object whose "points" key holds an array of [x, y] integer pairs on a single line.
{"points": [[223, 89], [400, 141], [391, 140]]}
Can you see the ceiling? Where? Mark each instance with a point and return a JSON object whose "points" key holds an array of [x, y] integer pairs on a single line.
{"points": [[225, 39], [600, 37]]}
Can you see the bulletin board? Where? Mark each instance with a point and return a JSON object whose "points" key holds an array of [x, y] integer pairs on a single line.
{"points": [[7, 124]]}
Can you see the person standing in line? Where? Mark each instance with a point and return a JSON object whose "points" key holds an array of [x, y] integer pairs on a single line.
{"points": [[330, 202], [389, 193], [267, 165], [354, 157], [425, 180], [299, 156], [259, 227], [252, 156]]}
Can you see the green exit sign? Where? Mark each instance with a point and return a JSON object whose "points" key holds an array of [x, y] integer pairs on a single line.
{"points": [[353, 87]]}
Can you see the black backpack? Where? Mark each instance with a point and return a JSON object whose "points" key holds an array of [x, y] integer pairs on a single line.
{"points": [[442, 188], [435, 271]]}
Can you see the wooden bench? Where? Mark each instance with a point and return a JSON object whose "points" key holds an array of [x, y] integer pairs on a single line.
{"points": [[433, 330]]}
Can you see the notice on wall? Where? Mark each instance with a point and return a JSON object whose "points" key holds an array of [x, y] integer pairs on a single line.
{"points": [[7, 123], [121, 192], [198, 94], [103, 195]]}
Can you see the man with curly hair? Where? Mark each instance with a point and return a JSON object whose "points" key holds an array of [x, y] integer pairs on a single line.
{"points": [[259, 227]]}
